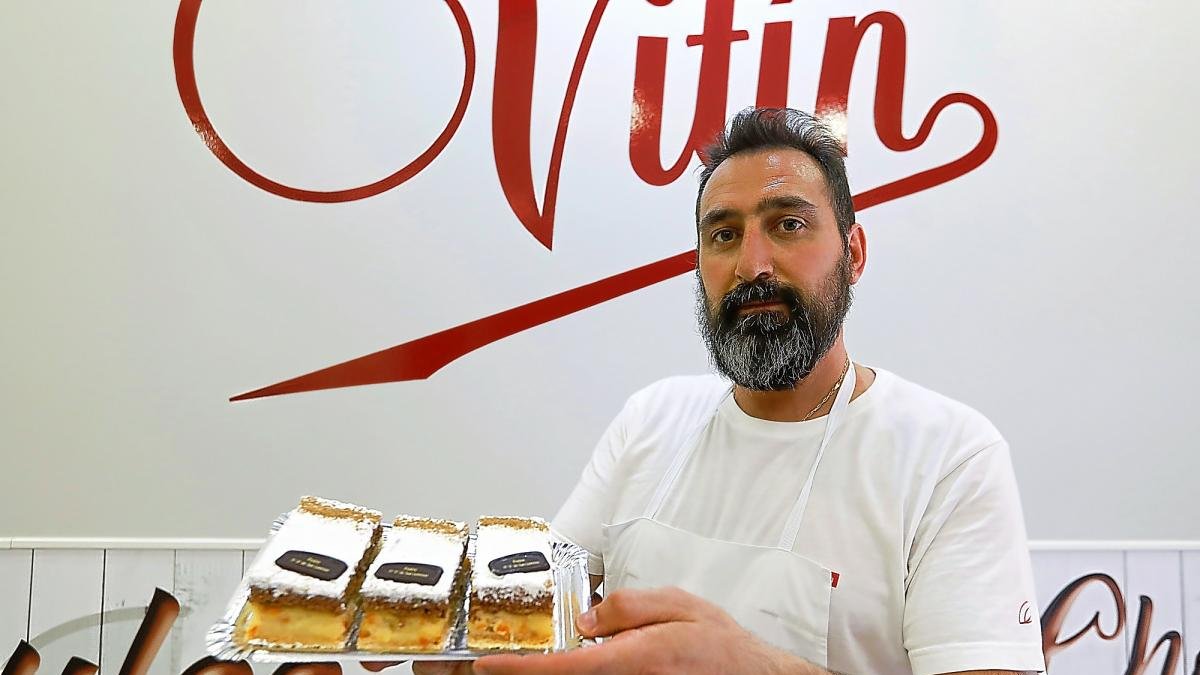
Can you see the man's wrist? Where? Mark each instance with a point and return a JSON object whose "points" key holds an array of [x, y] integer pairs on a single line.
{"points": [[778, 662]]}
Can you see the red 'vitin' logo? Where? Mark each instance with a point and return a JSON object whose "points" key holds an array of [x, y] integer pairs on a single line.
{"points": [[516, 46]]}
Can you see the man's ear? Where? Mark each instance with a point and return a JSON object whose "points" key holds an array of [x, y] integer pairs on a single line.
{"points": [[857, 242]]}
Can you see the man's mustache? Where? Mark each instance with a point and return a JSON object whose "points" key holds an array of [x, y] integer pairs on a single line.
{"points": [[758, 291]]}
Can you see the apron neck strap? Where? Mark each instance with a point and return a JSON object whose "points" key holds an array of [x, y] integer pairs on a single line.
{"points": [[840, 403], [681, 456]]}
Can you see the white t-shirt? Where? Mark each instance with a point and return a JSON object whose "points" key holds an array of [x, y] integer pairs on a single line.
{"points": [[914, 505]]}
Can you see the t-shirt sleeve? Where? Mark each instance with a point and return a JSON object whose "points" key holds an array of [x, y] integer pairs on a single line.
{"points": [[589, 506], [969, 597]]}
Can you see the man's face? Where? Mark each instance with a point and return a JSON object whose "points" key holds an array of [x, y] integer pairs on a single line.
{"points": [[774, 274]]}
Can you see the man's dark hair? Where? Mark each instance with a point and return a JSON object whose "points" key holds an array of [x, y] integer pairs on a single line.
{"points": [[755, 129]]}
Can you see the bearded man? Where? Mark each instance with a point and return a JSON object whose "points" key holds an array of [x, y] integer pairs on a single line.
{"points": [[802, 513]]}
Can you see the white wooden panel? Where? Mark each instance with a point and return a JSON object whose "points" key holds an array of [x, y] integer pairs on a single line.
{"points": [[1157, 575], [1053, 571], [15, 569], [1191, 607], [64, 615], [130, 577], [204, 582]]}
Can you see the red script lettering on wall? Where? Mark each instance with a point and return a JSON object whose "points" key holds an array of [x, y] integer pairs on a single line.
{"points": [[511, 135]]}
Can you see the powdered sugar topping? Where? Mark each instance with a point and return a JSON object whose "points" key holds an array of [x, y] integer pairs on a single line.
{"points": [[343, 538], [416, 545], [496, 541]]}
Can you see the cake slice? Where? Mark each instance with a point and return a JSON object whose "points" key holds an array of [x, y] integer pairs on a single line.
{"points": [[412, 592], [304, 584], [512, 587]]}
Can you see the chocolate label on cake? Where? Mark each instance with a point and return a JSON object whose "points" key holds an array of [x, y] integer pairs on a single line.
{"points": [[312, 564], [529, 561], [410, 573]]}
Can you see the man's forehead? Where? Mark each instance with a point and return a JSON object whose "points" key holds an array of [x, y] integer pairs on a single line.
{"points": [[752, 175]]}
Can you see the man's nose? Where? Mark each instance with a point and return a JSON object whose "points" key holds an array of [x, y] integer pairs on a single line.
{"points": [[754, 257]]}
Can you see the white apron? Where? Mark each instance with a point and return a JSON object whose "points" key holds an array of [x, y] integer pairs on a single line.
{"points": [[778, 595]]}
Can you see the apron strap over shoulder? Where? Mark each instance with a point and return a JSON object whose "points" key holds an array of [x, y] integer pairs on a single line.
{"points": [[842, 401], [681, 456]]}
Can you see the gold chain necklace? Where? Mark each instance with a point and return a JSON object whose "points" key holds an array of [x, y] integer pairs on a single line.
{"points": [[836, 385]]}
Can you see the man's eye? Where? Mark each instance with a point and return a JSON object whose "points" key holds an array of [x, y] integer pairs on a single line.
{"points": [[791, 224], [723, 236]]}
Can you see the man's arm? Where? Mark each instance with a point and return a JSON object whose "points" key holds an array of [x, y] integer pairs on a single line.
{"points": [[969, 596], [669, 630]]}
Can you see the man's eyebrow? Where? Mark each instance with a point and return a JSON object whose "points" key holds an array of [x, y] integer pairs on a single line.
{"points": [[776, 203], [786, 203], [715, 216]]}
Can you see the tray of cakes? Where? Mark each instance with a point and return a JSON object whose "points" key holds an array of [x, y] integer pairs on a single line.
{"points": [[335, 582]]}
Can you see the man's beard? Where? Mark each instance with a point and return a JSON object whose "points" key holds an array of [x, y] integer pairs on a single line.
{"points": [[769, 350]]}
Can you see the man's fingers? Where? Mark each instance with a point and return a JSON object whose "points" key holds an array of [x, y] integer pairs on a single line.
{"points": [[582, 661], [376, 666], [627, 609], [442, 668]]}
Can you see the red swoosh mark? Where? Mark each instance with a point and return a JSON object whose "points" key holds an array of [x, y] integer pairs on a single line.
{"points": [[421, 358], [418, 359]]}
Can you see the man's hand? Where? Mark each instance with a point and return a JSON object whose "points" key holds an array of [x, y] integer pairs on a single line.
{"points": [[423, 667], [663, 630], [442, 668]]}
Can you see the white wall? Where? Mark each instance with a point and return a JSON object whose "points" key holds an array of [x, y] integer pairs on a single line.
{"points": [[144, 283]]}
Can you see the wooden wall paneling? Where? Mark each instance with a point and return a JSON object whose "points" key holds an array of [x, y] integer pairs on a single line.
{"points": [[16, 569], [66, 598], [1190, 595], [130, 577], [1054, 571], [1157, 575], [204, 582], [68, 589]]}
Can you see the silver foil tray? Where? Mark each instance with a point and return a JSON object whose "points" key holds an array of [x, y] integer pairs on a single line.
{"points": [[572, 597]]}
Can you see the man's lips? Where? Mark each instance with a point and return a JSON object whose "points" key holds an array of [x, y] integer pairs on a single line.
{"points": [[761, 305]]}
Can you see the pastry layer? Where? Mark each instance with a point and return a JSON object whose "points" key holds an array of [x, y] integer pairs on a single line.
{"points": [[499, 629], [296, 627], [401, 616], [511, 610], [335, 509], [292, 609], [389, 630]]}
